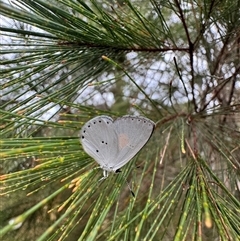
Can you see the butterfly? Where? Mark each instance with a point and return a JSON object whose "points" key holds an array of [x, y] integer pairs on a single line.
{"points": [[113, 143]]}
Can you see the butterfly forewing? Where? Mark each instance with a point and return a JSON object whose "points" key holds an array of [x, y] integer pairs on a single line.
{"points": [[99, 139]]}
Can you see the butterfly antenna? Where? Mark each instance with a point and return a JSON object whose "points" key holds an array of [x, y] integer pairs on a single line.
{"points": [[133, 194], [119, 170]]}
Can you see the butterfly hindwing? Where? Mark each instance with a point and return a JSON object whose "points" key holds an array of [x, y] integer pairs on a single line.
{"points": [[133, 133]]}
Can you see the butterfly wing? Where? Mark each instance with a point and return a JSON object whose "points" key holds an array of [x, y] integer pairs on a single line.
{"points": [[99, 140], [133, 133]]}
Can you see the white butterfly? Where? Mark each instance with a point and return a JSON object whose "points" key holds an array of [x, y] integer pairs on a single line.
{"points": [[113, 143]]}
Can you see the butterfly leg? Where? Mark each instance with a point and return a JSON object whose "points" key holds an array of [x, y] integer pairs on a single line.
{"points": [[105, 175]]}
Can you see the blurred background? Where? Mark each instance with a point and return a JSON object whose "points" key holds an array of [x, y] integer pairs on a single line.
{"points": [[174, 62]]}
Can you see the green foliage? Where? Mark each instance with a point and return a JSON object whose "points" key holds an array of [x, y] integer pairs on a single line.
{"points": [[64, 62]]}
